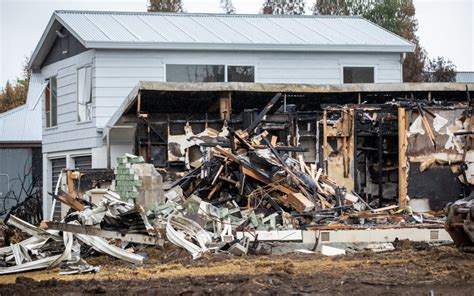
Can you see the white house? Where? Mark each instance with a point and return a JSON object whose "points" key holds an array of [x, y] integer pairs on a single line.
{"points": [[90, 61]]}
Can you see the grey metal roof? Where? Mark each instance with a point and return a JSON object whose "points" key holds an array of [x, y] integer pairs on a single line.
{"points": [[143, 30], [465, 76], [23, 124]]}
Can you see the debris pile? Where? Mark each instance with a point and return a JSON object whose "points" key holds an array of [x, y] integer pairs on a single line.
{"points": [[244, 182]]}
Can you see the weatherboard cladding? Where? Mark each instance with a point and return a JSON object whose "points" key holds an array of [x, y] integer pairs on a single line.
{"points": [[161, 30]]}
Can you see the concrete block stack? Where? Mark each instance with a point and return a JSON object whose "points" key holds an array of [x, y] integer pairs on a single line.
{"points": [[127, 183]]}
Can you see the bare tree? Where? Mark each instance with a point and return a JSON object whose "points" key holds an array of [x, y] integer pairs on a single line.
{"points": [[228, 6], [165, 6]]}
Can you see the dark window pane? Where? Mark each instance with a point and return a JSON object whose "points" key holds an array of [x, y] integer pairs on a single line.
{"points": [[241, 73], [54, 102], [358, 75], [195, 73]]}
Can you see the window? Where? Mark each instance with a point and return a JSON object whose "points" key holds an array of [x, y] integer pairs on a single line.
{"points": [[240, 73], [51, 102], [358, 74], [84, 94], [195, 73], [209, 73]]}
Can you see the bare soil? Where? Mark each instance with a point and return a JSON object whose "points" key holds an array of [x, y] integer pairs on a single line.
{"points": [[407, 271]]}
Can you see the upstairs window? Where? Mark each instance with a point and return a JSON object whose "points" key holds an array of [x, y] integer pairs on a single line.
{"points": [[240, 73], [359, 75], [51, 102], [209, 73], [195, 73], [84, 94]]}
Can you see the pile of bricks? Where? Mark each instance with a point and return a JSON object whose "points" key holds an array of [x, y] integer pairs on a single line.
{"points": [[127, 182]]}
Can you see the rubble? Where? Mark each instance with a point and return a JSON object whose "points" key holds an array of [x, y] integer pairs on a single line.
{"points": [[243, 189]]}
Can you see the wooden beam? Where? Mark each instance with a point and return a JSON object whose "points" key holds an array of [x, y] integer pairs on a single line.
{"points": [[402, 159], [225, 105], [325, 142]]}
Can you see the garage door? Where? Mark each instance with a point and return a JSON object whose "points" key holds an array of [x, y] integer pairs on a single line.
{"points": [[57, 166]]}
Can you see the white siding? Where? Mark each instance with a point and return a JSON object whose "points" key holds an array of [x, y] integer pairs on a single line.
{"points": [[68, 134], [116, 74]]}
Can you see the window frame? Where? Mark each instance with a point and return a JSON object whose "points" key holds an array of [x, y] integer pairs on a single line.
{"points": [[49, 115], [358, 66], [77, 95], [226, 77]]}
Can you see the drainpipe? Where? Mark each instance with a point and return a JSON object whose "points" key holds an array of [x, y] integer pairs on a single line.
{"points": [[108, 147]]}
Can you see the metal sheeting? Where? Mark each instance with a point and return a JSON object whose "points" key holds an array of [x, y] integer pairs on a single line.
{"points": [[23, 124], [162, 30]]}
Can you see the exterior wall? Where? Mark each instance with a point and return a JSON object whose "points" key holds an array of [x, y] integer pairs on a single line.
{"points": [[20, 170], [68, 134]]}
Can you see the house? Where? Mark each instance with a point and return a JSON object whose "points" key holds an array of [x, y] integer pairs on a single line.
{"points": [[20, 148], [92, 60]]}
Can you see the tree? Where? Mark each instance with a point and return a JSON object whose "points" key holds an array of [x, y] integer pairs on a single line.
{"points": [[397, 16], [283, 7], [440, 70], [330, 7], [165, 6], [228, 6], [14, 95]]}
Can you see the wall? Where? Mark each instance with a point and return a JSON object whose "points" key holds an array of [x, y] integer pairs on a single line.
{"points": [[118, 71], [68, 134], [17, 163]]}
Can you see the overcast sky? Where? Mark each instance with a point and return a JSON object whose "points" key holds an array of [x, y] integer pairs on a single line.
{"points": [[446, 27]]}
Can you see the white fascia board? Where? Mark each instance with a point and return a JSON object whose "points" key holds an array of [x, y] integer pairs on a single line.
{"points": [[249, 47]]}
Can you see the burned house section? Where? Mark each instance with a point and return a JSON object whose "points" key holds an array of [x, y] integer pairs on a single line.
{"points": [[386, 147]]}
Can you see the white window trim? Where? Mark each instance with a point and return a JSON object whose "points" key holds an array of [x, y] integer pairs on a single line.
{"points": [[77, 93], [375, 66], [48, 81], [214, 64]]}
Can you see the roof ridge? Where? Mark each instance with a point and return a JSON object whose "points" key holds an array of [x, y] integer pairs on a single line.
{"points": [[202, 14]]}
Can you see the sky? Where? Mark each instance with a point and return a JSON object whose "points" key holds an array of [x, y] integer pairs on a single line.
{"points": [[446, 27]]}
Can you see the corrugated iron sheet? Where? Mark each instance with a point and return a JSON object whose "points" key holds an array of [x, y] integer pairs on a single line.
{"points": [[120, 28]]}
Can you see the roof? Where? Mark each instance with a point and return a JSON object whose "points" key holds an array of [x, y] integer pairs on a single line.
{"points": [[283, 88], [145, 30], [23, 124], [465, 76]]}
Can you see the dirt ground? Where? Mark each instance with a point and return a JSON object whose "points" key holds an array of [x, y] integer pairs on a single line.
{"points": [[407, 271]]}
